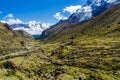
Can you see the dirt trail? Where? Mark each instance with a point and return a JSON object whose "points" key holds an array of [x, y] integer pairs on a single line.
{"points": [[12, 55], [17, 54]]}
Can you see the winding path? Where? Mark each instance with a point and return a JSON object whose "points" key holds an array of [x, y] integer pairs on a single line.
{"points": [[18, 54], [12, 55]]}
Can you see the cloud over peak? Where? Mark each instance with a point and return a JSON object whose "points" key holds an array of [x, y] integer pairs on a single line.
{"points": [[68, 9], [71, 9], [85, 12], [33, 27], [59, 16]]}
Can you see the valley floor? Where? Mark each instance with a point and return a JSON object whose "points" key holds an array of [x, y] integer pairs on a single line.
{"points": [[82, 58]]}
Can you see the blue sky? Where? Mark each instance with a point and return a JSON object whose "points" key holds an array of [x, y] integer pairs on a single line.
{"points": [[39, 10]]}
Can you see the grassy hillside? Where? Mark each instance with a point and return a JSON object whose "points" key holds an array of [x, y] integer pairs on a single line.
{"points": [[10, 41], [87, 51], [25, 34], [77, 59]]}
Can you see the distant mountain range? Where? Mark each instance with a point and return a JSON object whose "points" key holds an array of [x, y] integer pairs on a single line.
{"points": [[34, 28], [91, 9]]}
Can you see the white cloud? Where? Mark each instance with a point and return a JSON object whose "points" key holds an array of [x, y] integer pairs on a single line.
{"points": [[71, 9], [111, 1], [98, 2], [84, 13], [35, 27], [58, 16], [9, 16], [46, 25], [12, 21], [87, 9]]}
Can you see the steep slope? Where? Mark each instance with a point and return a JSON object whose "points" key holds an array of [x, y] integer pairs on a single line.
{"points": [[9, 39], [55, 29], [106, 23], [25, 34]]}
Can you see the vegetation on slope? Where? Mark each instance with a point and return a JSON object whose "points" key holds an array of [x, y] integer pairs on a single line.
{"points": [[25, 34], [77, 59], [87, 51], [10, 41]]}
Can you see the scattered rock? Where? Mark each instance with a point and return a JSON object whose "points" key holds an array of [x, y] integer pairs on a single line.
{"points": [[9, 64]]}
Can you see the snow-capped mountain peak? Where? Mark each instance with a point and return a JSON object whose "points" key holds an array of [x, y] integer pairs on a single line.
{"points": [[32, 27], [91, 9]]}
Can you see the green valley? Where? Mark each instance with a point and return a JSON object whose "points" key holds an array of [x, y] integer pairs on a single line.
{"points": [[86, 51]]}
